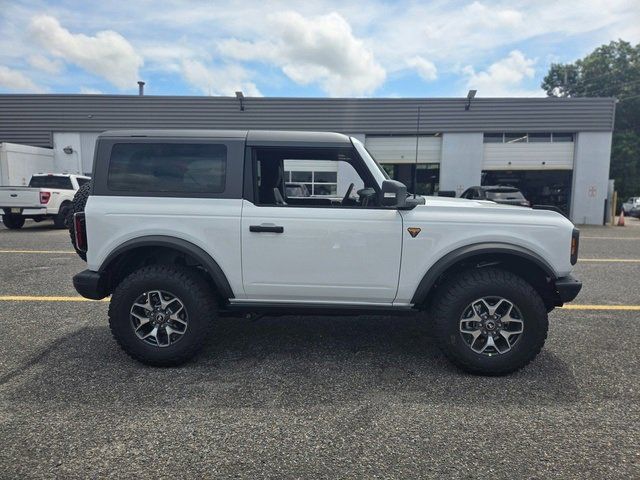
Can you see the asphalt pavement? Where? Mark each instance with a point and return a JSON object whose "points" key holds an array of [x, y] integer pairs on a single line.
{"points": [[314, 397]]}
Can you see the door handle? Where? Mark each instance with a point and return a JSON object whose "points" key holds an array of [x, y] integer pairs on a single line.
{"points": [[266, 228]]}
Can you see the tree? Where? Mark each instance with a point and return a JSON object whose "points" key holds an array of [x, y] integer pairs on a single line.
{"points": [[611, 70]]}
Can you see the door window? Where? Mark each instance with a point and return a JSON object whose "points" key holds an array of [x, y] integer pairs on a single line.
{"points": [[312, 177]]}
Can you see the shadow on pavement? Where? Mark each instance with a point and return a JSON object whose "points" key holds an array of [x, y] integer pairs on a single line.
{"points": [[284, 362]]}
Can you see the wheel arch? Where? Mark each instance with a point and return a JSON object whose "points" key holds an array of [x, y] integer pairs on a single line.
{"points": [[520, 260], [140, 248]]}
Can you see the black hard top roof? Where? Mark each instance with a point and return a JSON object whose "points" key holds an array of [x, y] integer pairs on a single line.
{"points": [[253, 137]]}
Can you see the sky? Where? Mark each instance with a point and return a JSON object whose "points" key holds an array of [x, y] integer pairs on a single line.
{"points": [[316, 48]]}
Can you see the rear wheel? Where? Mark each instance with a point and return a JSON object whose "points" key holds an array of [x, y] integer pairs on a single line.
{"points": [[60, 220], [490, 321], [162, 315], [12, 221]]}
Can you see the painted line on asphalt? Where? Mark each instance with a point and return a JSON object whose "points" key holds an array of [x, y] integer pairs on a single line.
{"points": [[601, 307], [610, 238], [35, 298], [610, 260], [38, 251]]}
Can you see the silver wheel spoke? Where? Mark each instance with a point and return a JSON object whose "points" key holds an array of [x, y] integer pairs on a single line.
{"points": [[491, 325], [159, 318]]}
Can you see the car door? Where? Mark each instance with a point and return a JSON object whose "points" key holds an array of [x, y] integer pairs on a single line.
{"points": [[319, 250]]}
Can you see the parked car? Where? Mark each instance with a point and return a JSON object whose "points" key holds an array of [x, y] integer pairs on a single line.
{"points": [[297, 190], [497, 193], [632, 207], [176, 252], [48, 196]]}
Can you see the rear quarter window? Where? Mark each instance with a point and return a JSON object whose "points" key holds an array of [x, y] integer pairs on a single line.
{"points": [[168, 167]]}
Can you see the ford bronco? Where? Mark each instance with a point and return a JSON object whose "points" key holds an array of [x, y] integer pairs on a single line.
{"points": [[181, 227]]}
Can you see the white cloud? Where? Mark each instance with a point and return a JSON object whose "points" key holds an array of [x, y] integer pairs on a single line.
{"points": [[504, 77], [45, 64], [426, 69], [90, 91], [17, 81], [107, 54], [311, 50], [224, 80]]}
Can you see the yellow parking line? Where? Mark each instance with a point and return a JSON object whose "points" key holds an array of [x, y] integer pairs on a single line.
{"points": [[37, 251], [602, 307], [34, 298], [610, 260]]}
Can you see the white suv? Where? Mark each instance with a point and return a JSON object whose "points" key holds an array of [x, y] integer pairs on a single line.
{"points": [[180, 227]]}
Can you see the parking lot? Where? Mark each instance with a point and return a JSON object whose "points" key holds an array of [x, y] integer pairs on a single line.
{"points": [[313, 397]]}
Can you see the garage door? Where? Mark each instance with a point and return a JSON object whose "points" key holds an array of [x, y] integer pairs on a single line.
{"points": [[528, 156], [402, 149]]}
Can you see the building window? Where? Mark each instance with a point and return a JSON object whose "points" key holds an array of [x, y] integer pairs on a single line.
{"points": [[563, 137], [317, 183], [515, 138], [539, 137], [493, 137], [518, 137]]}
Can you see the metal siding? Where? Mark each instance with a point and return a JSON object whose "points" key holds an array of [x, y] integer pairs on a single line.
{"points": [[30, 119], [528, 156], [402, 149]]}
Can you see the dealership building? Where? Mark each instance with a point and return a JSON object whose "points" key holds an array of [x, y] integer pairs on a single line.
{"points": [[557, 151]]}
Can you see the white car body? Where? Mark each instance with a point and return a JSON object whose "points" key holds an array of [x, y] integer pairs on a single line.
{"points": [[331, 256], [181, 226]]}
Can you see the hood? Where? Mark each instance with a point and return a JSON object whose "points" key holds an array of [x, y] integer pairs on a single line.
{"points": [[464, 202]]}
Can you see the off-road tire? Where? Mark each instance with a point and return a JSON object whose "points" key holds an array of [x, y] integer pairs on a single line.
{"points": [[60, 220], [457, 293], [190, 287], [77, 205], [12, 221]]}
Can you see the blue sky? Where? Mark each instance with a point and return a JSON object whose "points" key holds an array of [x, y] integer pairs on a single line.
{"points": [[309, 49]]}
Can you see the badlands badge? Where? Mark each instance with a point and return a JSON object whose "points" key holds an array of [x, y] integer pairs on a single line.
{"points": [[413, 231]]}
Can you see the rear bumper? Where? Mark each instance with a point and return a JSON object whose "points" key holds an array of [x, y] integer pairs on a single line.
{"points": [[90, 284], [568, 288]]}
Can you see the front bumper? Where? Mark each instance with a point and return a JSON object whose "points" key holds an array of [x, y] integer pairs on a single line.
{"points": [[568, 288], [90, 284]]}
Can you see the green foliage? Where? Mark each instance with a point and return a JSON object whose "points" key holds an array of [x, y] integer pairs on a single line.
{"points": [[611, 70]]}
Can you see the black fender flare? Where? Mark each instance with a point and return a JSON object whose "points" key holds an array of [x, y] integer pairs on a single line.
{"points": [[473, 250], [184, 246]]}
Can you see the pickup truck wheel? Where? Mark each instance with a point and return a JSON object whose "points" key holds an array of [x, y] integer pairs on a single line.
{"points": [[162, 315], [490, 321], [13, 222], [60, 220], [77, 205]]}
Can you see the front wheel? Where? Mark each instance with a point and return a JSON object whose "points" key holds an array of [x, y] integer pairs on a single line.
{"points": [[12, 221], [162, 315], [490, 321]]}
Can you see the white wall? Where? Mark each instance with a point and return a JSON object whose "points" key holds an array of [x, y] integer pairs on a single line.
{"points": [[461, 164], [590, 177], [65, 162]]}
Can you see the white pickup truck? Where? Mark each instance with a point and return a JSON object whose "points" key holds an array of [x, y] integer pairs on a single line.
{"points": [[48, 196]]}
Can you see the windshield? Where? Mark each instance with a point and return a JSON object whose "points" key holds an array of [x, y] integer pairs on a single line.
{"points": [[379, 172], [504, 195]]}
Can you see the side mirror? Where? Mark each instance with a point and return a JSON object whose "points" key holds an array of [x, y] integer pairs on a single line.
{"points": [[394, 194]]}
